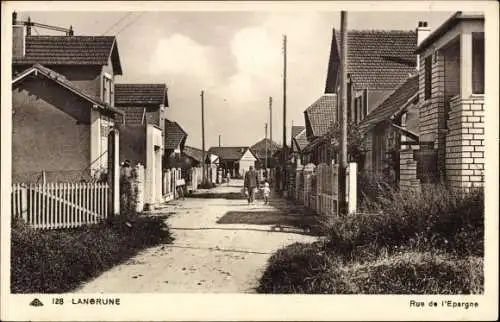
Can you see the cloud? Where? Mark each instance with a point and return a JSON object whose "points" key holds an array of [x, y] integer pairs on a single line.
{"points": [[180, 56]]}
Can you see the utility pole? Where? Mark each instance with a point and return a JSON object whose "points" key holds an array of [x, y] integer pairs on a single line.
{"points": [[219, 140], [265, 139], [270, 118], [284, 94], [203, 136], [284, 148], [343, 114]]}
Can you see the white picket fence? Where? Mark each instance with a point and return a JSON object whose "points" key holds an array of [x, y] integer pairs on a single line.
{"points": [[171, 179], [60, 205], [316, 187]]}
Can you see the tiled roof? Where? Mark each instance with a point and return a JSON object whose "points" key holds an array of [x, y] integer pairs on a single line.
{"points": [[296, 129], [229, 153], [63, 81], [259, 148], [141, 95], [194, 153], [71, 50], [301, 140], [320, 115], [174, 135], [376, 59], [392, 104]]}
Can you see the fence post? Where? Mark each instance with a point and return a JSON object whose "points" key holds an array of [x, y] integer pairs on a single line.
{"points": [[352, 187], [139, 205]]}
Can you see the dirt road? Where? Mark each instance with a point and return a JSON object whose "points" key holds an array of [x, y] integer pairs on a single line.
{"points": [[221, 246]]}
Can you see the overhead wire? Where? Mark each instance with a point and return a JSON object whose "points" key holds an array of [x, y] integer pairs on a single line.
{"points": [[129, 24], [116, 23]]}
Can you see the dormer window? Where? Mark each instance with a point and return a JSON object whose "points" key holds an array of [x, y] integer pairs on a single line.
{"points": [[107, 89]]}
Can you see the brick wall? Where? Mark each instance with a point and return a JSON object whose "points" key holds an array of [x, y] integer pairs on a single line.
{"points": [[465, 143], [408, 169], [432, 121]]}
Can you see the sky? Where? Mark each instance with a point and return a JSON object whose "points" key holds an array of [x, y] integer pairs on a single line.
{"points": [[235, 57]]}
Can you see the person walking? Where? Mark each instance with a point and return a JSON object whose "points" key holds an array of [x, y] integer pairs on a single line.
{"points": [[266, 191], [251, 183]]}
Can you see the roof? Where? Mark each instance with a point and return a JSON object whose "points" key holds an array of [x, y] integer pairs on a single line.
{"points": [[296, 129], [71, 50], [230, 153], [446, 26], [259, 148], [376, 59], [64, 82], [301, 140], [175, 136], [141, 95], [194, 153], [392, 104], [320, 115]]}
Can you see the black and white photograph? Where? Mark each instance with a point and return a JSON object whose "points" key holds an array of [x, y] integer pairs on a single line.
{"points": [[150, 150]]}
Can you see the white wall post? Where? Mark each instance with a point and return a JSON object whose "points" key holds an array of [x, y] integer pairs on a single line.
{"points": [[465, 64], [352, 187]]}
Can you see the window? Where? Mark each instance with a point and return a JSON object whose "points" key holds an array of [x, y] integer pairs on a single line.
{"points": [[428, 77], [107, 89], [478, 63]]}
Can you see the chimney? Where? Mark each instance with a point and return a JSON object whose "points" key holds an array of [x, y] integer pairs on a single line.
{"points": [[422, 32], [18, 38]]}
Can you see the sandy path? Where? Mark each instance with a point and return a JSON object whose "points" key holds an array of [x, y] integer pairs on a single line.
{"points": [[205, 256]]}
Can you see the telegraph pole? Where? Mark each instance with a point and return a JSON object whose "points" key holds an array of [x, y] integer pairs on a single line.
{"points": [[284, 95], [270, 118], [343, 114], [265, 139], [203, 136]]}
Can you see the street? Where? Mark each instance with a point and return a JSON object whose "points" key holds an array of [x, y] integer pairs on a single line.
{"points": [[221, 245]]}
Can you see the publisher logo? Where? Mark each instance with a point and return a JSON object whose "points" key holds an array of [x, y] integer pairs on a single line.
{"points": [[36, 302]]}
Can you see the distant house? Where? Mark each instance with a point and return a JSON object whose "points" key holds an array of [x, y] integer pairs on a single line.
{"points": [[319, 117], [175, 139], [63, 104], [451, 100], [261, 148], [191, 157], [142, 132], [299, 142], [236, 160]]}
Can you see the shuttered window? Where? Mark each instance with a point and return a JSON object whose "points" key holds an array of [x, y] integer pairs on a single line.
{"points": [[428, 77]]}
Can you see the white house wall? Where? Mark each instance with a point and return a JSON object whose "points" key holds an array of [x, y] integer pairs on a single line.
{"points": [[153, 178], [246, 161]]}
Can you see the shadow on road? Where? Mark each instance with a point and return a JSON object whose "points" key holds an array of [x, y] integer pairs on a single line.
{"points": [[288, 231], [218, 195], [218, 249]]}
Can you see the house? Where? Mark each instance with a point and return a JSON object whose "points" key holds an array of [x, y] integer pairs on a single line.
{"points": [[319, 117], [391, 125], [142, 132], [175, 139], [299, 142], [63, 105], [237, 160], [451, 100], [377, 63], [264, 150], [191, 157]]}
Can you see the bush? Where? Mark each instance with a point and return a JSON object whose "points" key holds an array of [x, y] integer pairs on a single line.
{"points": [[59, 260], [434, 219], [312, 269], [430, 242]]}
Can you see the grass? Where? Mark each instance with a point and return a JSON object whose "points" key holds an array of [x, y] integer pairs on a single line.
{"points": [[431, 242], [59, 261]]}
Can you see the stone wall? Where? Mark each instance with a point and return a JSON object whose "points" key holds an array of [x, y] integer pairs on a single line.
{"points": [[465, 143]]}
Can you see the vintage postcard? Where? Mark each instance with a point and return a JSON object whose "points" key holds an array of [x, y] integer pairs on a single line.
{"points": [[249, 160]]}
